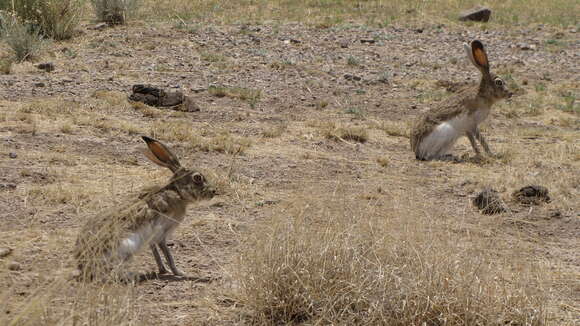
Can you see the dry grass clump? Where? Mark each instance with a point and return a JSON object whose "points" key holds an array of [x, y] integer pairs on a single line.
{"points": [[334, 131], [336, 261], [275, 131], [221, 141], [224, 143], [392, 128], [251, 96], [82, 304]]}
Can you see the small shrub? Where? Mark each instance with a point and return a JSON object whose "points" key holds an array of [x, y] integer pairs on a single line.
{"points": [[61, 17], [6, 64], [353, 61], [23, 39], [115, 12], [56, 19]]}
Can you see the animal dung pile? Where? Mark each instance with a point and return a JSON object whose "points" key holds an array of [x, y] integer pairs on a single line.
{"points": [[532, 195], [489, 202], [157, 97]]}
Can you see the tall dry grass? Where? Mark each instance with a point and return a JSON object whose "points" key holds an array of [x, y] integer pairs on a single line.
{"points": [[336, 260]]}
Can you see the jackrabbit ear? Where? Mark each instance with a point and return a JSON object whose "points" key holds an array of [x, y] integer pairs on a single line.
{"points": [[478, 56], [160, 154]]}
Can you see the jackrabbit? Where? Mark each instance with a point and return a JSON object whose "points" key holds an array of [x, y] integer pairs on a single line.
{"points": [[436, 131], [109, 240]]}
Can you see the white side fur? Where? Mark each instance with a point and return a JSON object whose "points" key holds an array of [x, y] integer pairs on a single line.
{"points": [[443, 137], [152, 232]]}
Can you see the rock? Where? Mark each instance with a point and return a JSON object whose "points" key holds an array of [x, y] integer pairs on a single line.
{"points": [[99, 26], [48, 66], [526, 46], [532, 195], [14, 266], [157, 97], [489, 202], [12, 155], [39, 84], [352, 77], [5, 251], [7, 186], [368, 41], [477, 14], [344, 44]]}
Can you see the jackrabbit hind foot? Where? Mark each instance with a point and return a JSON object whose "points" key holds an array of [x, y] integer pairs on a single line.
{"points": [[479, 159], [449, 158]]}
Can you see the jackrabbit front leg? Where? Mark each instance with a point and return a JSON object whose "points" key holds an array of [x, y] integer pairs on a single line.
{"points": [[471, 135], [169, 257], [158, 260], [483, 142]]}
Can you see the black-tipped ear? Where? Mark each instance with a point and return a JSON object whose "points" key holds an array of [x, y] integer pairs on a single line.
{"points": [[160, 154], [479, 55]]}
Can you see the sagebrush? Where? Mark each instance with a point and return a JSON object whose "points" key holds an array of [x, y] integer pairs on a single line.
{"points": [[335, 261]]}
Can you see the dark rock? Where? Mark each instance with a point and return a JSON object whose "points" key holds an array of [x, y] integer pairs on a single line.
{"points": [[48, 66], [39, 84], [532, 195], [352, 77], [7, 186], [477, 14], [5, 251], [368, 41], [12, 155], [14, 266], [489, 202], [157, 97]]}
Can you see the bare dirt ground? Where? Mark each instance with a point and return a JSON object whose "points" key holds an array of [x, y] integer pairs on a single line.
{"points": [[69, 144]]}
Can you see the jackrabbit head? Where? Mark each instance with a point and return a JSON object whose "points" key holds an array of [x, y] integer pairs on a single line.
{"points": [[492, 87], [189, 184]]}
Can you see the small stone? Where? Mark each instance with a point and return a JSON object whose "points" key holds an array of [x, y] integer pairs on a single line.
{"points": [[14, 266], [344, 44], [39, 84], [7, 186], [368, 41], [5, 252], [352, 77], [12, 155], [99, 26], [526, 46], [478, 14], [48, 66], [489, 202]]}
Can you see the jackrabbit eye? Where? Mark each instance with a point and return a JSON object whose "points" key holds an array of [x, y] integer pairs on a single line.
{"points": [[198, 178], [499, 82]]}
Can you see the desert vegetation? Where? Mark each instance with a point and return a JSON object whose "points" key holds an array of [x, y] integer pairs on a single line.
{"points": [[323, 214]]}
